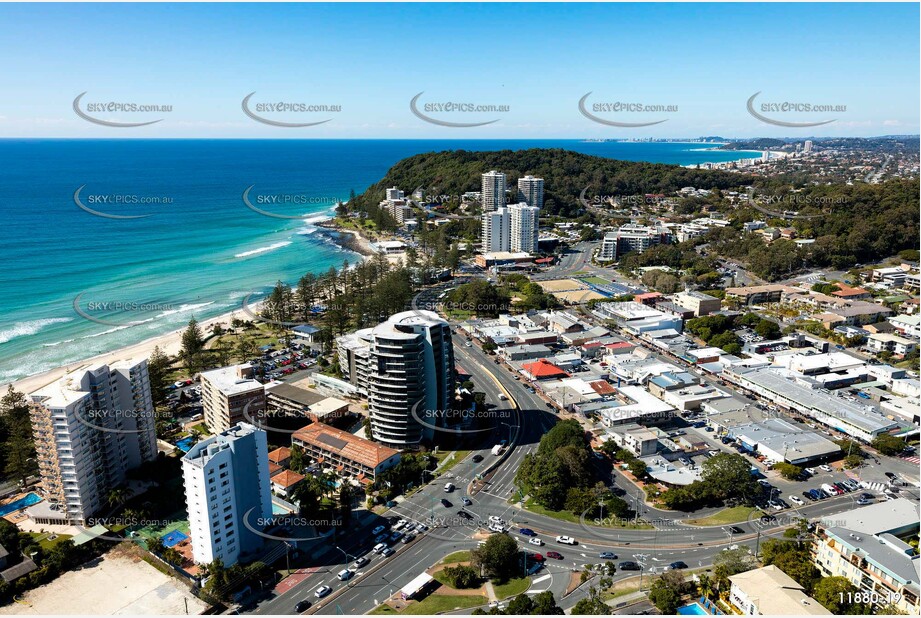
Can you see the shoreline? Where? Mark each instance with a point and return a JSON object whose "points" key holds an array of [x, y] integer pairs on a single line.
{"points": [[170, 342]]}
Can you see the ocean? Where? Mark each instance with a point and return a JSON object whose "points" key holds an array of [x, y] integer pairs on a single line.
{"points": [[76, 284]]}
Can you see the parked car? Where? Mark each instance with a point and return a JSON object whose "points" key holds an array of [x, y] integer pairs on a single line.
{"points": [[378, 530], [467, 501], [797, 500], [825, 468], [388, 552]]}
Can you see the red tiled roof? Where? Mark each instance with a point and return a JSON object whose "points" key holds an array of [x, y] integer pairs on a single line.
{"points": [[618, 345], [274, 469], [287, 478], [602, 388], [646, 295], [544, 369], [280, 454], [344, 444]]}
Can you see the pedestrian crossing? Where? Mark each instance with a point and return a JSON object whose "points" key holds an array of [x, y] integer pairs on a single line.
{"points": [[913, 459]]}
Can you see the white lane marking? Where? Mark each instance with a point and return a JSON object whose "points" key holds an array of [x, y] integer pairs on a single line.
{"points": [[540, 579]]}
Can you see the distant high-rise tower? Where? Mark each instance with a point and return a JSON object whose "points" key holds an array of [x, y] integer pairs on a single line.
{"points": [[531, 191], [807, 147], [90, 427], [226, 481], [492, 195], [524, 223], [496, 230]]}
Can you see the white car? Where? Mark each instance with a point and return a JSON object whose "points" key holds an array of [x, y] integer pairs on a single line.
{"points": [[825, 468], [565, 540], [322, 591], [811, 471], [797, 500], [535, 541]]}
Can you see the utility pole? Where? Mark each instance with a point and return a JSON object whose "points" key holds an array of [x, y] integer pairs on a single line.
{"points": [[758, 543]]}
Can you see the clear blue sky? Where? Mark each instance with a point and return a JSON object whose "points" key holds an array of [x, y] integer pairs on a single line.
{"points": [[539, 59]]}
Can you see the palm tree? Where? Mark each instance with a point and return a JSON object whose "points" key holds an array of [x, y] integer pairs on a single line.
{"points": [[116, 496], [705, 585]]}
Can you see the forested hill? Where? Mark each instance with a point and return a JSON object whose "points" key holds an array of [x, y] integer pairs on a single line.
{"points": [[565, 175]]}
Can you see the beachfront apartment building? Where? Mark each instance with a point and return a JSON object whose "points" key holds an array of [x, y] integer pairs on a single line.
{"points": [[227, 493], [531, 191], [230, 395], [492, 193], [768, 591], [523, 227], [347, 454], [90, 428], [497, 230]]}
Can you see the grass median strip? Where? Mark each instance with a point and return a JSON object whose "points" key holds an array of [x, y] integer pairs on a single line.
{"points": [[733, 515], [532, 506]]}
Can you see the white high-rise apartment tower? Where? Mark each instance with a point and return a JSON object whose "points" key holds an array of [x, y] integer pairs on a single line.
{"points": [[524, 224], [492, 194], [531, 191], [496, 231], [226, 481]]}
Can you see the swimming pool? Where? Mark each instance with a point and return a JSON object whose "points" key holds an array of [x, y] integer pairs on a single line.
{"points": [[185, 444], [27, 500], [694, 609]]}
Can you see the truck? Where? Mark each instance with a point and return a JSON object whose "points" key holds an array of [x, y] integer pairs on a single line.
{"points": [[497, 449]]}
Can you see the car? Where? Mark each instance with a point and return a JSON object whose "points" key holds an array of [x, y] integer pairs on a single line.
{"points": [[399, 524], [736, 530], [360, 563], [844, 488], [862, 501], [467, 501], [678, 564], [464, 514], [477, 458], [822, 494], [379, 548], [388, 552], [809, 496], [566, 540], [536, 557], [866, 496], [409, 538], [396, 536], [526, 532], [764, 483], [496, 528], [322, 591], [445, 503], [469, 344], [708, 428], [890, 476], [810, 471], [420, 527], [797, 500], [777, 506], [607, 555], [535, 541], [825, 468], [344, 575], [378, 529], [302, 606], [629, 565], [555, 555]]}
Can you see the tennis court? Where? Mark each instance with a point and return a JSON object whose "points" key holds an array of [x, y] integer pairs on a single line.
{"points": [[173, 537]]}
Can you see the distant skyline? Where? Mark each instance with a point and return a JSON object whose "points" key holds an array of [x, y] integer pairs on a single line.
{"points": [[698, 63]]}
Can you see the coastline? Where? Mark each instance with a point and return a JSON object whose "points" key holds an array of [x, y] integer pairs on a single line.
{"points": [[170, 343]]}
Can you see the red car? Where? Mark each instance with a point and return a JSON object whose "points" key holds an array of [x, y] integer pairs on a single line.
{"points": [[537, 557], [555, 555]]}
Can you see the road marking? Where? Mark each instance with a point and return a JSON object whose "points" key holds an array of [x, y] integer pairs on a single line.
{"points": [[542, 578]]}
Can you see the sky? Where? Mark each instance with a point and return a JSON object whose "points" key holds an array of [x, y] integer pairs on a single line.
{"points": [[700, 63]]}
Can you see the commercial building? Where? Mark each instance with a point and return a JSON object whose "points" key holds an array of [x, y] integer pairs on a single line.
{"points": [[700, 303], [497, 230], [780, 441], [523, 230], [804, 395], [631, 238], [227, 494], [637, 318], [410, 377], [866, 545], [635, 438], [230, 395], [768, 591], [531, 191], [290, 400], [347, 454], [90, 427], [492, 193], [761, 294]]}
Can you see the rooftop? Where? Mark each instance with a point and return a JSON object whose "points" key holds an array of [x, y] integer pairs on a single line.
{"points": [[776, 593], [344, 444], [230, 380]]}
